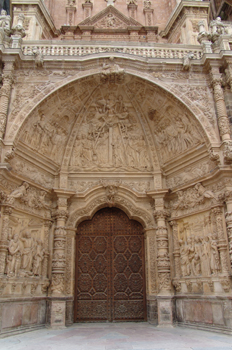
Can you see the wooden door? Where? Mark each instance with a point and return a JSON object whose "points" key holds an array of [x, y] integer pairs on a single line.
{"points": [[110, 277]]}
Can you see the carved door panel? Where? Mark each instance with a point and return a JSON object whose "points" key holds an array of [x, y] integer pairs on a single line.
{"points": [[110, 269]]}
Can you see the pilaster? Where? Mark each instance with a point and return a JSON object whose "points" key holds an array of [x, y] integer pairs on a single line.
{"points": [[5, 92]]}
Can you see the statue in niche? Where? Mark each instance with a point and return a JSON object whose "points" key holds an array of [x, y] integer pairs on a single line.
{"points": [[38, 258], [110, 138], [214, 259], [38, 130], [184, 259], [14, 256], [27, 253]]}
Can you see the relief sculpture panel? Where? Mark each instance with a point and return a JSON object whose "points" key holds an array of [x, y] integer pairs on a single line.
{"points": [[110, 136], [198, 241]]}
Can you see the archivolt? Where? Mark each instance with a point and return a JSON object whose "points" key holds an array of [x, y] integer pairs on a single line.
{"points": [[14, 128], [125, 204]]}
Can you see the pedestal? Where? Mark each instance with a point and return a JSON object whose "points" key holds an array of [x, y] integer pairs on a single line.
{"points": [[165, 311]]}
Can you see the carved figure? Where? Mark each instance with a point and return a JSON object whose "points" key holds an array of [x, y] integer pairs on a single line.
{"points": [[184, 259], [39, 59], [214, 259], [14, 257], [19, 192], [205, 260], [111, 71], [38, 258], [109, 137], [5, 21], [203, 193], [27, 254], [187, 60]]}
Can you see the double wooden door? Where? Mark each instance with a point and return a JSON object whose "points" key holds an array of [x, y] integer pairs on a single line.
{"points": [[110, 274]]}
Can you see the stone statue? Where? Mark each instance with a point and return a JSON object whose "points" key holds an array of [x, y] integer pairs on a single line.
{"points": [[38, 258], [27, 254], [214, 258], [14, 257], [19, 192], [184, 259]]}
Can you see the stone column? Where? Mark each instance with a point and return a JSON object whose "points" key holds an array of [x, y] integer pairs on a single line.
{"points": [[58, 302], [47, 226], [176, 248], [229, 222], [7, 210], [223, 120], [217, 212], [5, 92], [58, 292], [151, 274], [164, 296], [163, 261], [58, 260]]}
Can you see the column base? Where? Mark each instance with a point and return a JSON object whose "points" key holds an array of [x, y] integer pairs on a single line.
{"points": [[57, 314], [165, 311]]}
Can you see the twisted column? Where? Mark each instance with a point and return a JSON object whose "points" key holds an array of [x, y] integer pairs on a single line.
{"points": [[176, 248], [7, 210], [5, 92], [222, 244]]}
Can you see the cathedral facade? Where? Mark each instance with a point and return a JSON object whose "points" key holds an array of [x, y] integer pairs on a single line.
{"points": [[115, 163]]}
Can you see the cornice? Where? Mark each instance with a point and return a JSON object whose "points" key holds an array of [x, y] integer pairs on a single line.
{"points": [[174, 17], [42, 8]]}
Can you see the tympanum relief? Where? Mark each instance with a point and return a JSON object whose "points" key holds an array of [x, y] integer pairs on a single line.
{"points": [[45, 136], [110, 136]]}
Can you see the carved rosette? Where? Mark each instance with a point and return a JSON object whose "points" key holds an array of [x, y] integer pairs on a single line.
{"points": [[163, 261], [176, 248], [59, 247], [7, 80], [222, 244], [4, 243], [223, 121]]}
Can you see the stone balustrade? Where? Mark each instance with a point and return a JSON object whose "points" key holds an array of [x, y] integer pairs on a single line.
{"points": [[158, 51]]}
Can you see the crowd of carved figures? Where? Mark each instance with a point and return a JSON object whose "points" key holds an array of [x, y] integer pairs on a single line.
{"points": [[174, 133], [110, 136], [25, 250], [46, 137], [25, 255], [199, 256]]}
